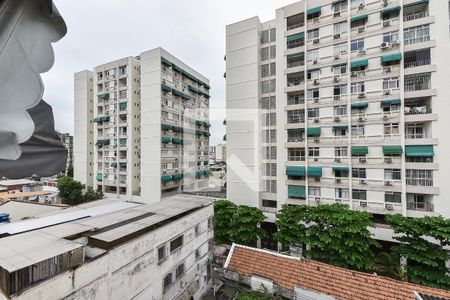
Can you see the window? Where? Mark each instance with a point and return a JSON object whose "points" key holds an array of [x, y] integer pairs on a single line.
{"points": [[340, 89], [296, 135], [313, 112], [415, 131], [264, 37], [419, 177], [269, 136], [358, 3], [417, 82], [313, 34], [264, 53], [265, 70], [176, 243], [269, 152], [357, 130], [296, 154], [357, 87], [273, 34], [122, 70], [295, 116], [100, 76], [312, 55], [314, 191], [389, 37], [179, 271], [359, 173], [162, 254], [359, 194], [270, 186], [340, 110], [339, 6], [197, 254], [358, 23], [312, 94], [273, 52], [269, 203], [269, 119], [270, 169], [268, 102], [340, 151], [416, 34], [392, 174], [339, 70], [391, 128], [314, 152], [391, 83], [393, 197], [340, 49], [357, 44], [341, 193], [313, 74], [340, 28], [340, 131], [391, 108], [296, 99], [210, 223], [167, 281]]}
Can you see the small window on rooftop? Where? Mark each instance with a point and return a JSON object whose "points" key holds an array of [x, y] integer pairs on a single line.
{"points": [[176, 243]]}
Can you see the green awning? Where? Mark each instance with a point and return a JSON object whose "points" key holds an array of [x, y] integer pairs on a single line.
{"points": [[389, 10], [391, 102], [166, 88], [166, 178], [360, 17], [177, 129], [105, 119], [341, 169], [423, 150], [391, 57], [206, 86], [314, 10], [315, 171], [176, 93], [359, 63], [295, 56], [207, 124], [104, 96], [295, 37], [340, 127], [313, 131], [176, 141], [392, 150], [176, 68], [177, 177], [123, 106], [199, 174], [416, 3], [296, 191], [99, 177], [114, 165], [206, 96], [166, 127], [186, 97], [166, 140], [360, 104], [98, 119], [295, 171], [224, 138], [359, 150], [166, 62], [195, 90]]}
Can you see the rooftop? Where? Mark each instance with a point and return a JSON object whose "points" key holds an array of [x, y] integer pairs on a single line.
{"points": [[18, 209], [17, 182], [289, 272]]}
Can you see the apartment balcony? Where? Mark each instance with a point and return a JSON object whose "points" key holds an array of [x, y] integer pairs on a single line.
{"points": [[378, 207], [110, 182], [414, 15]]}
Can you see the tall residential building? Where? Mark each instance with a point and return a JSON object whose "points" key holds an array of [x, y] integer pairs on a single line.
{"points": [[341, 102], [143, 126], [67, 141]]}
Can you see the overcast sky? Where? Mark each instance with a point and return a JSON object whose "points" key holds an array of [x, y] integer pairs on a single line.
{"points": [[100, 31]]}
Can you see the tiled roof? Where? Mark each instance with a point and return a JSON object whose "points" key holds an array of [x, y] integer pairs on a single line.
{"points": [[345, 284]]}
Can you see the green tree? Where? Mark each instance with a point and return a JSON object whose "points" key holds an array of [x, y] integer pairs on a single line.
{"points": [[290, 224], [224, 211], [255, 296], [422, 242], [91, 195], [340, 236], [388, 264], [70, 191], [70, 171], [244, 225]]}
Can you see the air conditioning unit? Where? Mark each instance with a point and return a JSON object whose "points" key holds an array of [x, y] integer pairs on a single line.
{"points": [[361, 6], [388, 160], [337, 118], [361, 119], [387, 23], [316, 81], [337, 78], [316, 159], [316, 100], [389, 207], [337, 56], [387, 92], [316, 41], [363, 204], [363, 181], [316, 120], [353, 74], [395, 43], [337, 159], [337, 97], [361, 95], [338, 180], [362, 160], [385, 45], [337, 14], [387, 69], [317, 199], [316, 140], [337, 35], [388, 183], [361, 29], [315, 62]]}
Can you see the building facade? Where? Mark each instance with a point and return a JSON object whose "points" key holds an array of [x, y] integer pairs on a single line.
{"points": [[67, 141], [150, 126], [340, 102], [111, 250]]}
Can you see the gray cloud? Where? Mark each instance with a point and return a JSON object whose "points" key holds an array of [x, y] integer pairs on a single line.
{"points": [[105, 30]]}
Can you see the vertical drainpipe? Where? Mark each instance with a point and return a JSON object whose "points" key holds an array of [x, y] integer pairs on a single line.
{"points": [[305, 113], [349, 106], [402, 109]]}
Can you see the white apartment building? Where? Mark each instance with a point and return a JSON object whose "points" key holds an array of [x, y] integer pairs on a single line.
{"points": [[341, 102], [67, 141], [111, 250], [142, 126]]}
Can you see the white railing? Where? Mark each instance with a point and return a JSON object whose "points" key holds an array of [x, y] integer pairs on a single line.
{"points": [[415, 15], [419, 63]]}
